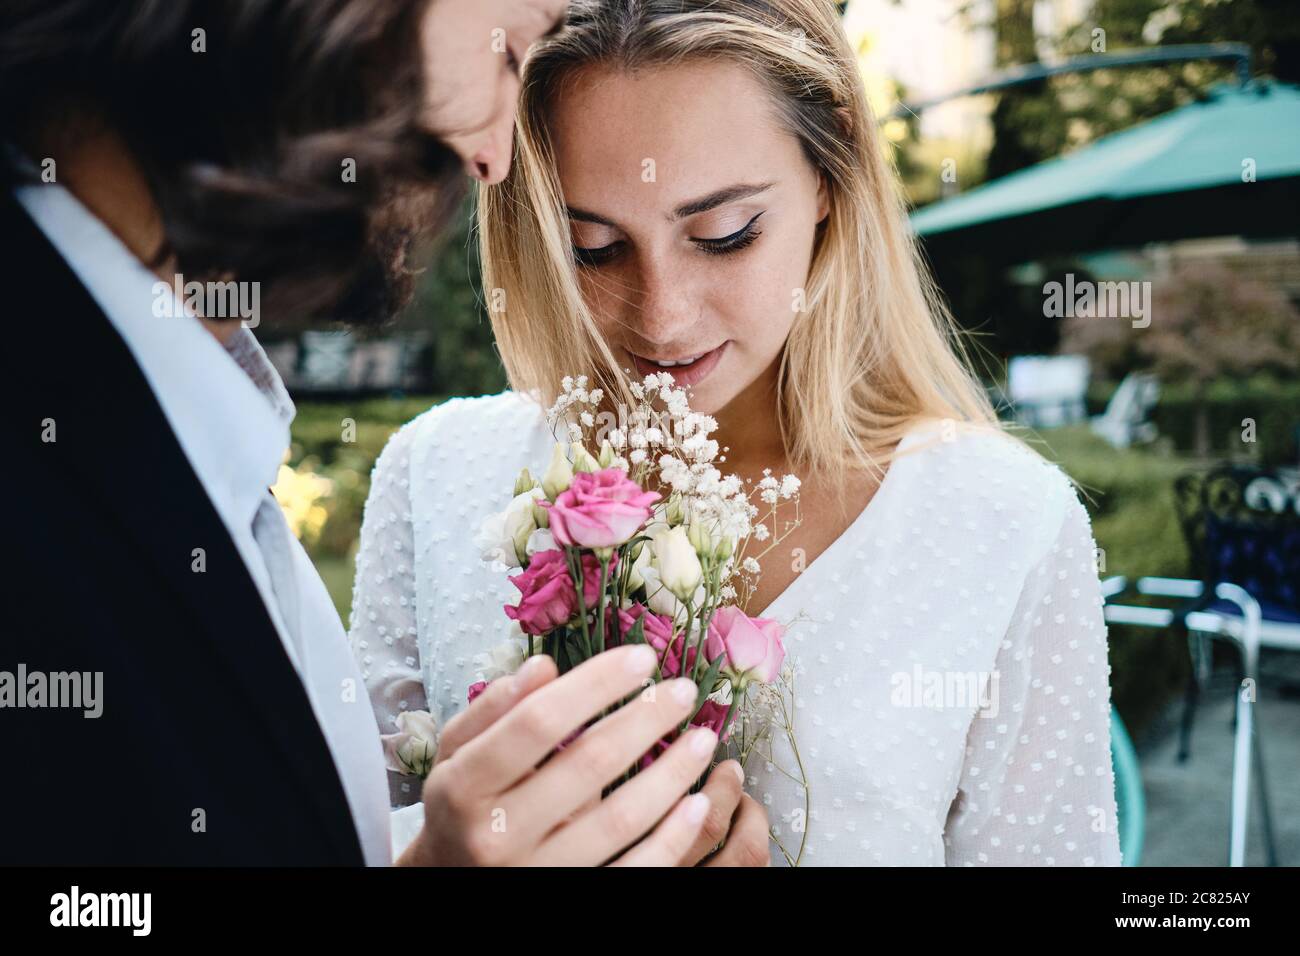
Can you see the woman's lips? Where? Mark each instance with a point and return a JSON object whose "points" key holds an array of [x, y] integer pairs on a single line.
{"points": [[685, 375]]}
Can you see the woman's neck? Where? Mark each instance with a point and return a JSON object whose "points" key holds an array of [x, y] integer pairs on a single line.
{"points": [[749, 428]]}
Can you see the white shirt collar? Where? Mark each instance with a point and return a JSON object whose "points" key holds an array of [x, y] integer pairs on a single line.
{"points": [[226, 405]]}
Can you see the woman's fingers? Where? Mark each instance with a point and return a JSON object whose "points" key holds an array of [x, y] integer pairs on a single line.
{"points": [[747, 840], [672, 838], [605, 751], [496, 759], [501, 695], [723, 788], [629, 812]]}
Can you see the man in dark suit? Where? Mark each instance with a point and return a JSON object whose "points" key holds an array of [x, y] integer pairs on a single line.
{"points": [[173, 172]]}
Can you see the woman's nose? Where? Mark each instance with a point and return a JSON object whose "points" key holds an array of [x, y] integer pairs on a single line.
{"points": [[666, 309]]}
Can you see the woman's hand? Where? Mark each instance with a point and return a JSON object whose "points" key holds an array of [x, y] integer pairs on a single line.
{"points": [[735, 831], [487, 802]]}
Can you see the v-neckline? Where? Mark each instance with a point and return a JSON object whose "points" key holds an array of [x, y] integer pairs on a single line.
{"points": [[853, 529]]}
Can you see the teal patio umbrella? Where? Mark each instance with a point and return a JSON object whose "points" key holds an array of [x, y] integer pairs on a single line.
{"points": [[1227, 165]]}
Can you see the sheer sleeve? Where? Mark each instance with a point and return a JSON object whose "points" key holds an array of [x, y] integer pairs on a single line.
{"points": [[1037, 786], [383, 632]]}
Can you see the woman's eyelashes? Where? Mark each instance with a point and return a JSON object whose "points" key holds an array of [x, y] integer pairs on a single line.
{"points": [[740, 239], [598, 256]]}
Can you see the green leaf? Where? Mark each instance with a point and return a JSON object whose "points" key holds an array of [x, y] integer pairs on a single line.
{"points": [[706, 685], [561, 636], [636, 633], [575, 646]]}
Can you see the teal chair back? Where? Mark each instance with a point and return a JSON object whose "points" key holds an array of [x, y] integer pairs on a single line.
{"points": [[1129, 797]]}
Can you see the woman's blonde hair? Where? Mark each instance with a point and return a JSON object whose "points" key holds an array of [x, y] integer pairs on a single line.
{"points": [[874, 350]]}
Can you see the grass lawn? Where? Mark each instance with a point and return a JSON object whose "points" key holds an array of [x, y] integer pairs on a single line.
{"points": [[337, 573]]}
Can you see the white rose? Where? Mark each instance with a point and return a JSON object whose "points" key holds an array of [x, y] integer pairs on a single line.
{"points": [[645, 556], [582, 460], [676, 562], [540, 540], [642, 562], [663, 601], [413, 749], [559, 474], [504, 537], [506, 657], [708, 540]]}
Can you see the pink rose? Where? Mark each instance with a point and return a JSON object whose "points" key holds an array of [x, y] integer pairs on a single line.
{"points": [[548, 598], [658, 631], [712, 715], [600, 509], [752, 645]]}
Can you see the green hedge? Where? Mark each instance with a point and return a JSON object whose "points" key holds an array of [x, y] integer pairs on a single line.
{"points": [[318, 446], [1274, 406]]}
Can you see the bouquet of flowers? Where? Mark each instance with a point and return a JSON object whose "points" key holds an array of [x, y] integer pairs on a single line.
{"points": [[645, 541], [633, 535]]}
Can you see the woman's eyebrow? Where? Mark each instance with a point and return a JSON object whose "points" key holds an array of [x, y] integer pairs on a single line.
{"points": [[581, 215], [719, 198], [703, 204]]}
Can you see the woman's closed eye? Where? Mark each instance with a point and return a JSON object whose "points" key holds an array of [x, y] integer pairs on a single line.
{"points": [[722, 245], [596, 256], [738, 240]]}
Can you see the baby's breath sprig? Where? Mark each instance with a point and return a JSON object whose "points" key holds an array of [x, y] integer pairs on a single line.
{"points": [[664, 445]]}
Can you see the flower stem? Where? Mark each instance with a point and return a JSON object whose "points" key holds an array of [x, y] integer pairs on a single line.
{"points": [[575, 570], [602, 598]]}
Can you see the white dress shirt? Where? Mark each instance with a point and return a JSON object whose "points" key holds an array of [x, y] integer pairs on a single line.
{"points": [[231, 414]]}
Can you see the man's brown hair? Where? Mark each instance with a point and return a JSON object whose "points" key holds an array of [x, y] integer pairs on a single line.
{"points": [[246, 116]]}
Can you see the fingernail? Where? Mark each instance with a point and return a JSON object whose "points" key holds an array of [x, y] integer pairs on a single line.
{"points": [[529, 670], [684, 690], [640, 660], [697, 808], [740, 771], [703, 742]]}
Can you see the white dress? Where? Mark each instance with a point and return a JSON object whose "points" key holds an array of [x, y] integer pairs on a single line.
{"points": [[974, 559]]}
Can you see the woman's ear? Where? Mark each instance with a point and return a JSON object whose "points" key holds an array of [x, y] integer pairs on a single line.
{"points": [[844, 117], [823, 198]]}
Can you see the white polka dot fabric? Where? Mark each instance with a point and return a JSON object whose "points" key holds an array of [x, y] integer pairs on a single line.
{"points": [[952, 683]]}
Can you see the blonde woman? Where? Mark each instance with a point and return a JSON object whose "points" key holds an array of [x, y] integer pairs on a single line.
{"points": [[700, 190]]}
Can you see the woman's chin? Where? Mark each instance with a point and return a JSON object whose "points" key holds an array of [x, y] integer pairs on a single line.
{"points": [[709, 398]]}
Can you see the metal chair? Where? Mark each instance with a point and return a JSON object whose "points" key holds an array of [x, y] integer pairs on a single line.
{"points": [[1245, 638], [1127, 418], [1242, 526]]}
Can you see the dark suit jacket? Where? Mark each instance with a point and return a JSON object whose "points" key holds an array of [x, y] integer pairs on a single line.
{"points": [[207, 751]]}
